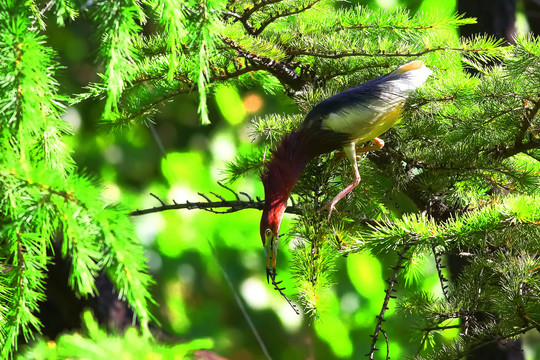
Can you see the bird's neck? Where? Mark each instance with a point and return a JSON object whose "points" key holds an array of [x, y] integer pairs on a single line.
{"points": [[282, 172], [288, 161]]}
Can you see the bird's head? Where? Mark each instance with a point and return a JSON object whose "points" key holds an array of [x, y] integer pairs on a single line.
{"points": [[278, 177], [270, 222]]}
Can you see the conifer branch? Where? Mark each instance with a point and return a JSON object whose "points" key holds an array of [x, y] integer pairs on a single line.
{"points": [[439, 327], [446, 162], [355, 69], [386, 27], [256, 7], [278, 15], [239, 71], [381, 53], [244, 18], [428, 330]]}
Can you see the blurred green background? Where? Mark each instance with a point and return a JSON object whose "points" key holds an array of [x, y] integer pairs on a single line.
{"points": [[192, 297]]}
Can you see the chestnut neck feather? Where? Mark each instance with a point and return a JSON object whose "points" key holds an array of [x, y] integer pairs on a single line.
{"points": [[289, 159]]}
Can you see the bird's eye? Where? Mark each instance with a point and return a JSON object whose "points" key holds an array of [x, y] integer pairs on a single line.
{"points": [[267, 233]]}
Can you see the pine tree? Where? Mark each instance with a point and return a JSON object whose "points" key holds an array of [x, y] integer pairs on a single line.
{"points": [[47, 204], [458, 175]]}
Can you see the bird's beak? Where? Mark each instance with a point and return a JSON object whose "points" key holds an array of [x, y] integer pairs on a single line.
{"points": [[270, 251]]}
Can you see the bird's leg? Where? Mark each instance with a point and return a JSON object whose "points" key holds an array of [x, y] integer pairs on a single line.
{"points": [[350, 151], [352, 154]]}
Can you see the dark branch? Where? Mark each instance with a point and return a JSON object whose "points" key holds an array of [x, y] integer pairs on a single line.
{"points": [[244, 17], [237, 73], [442, 279], [285, 72], [434, 328], [498, 338], [280, 290], [388, 295], [508, 151], [210, 205], [158, 199], [386, 27], [387, 344], [519, 146], [526, 121]]}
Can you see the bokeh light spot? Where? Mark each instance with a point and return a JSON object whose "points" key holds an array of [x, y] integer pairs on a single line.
{"points": [[230, 104], [253, 103], [336, 335], [255, 293], [386, 4], [73, 117], [366, 274], [111, 193], [350, 302], [154, 260], [113, 154]]}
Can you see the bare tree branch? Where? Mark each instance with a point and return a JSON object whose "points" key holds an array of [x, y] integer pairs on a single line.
{"points": [[388, 295], [442, 279], [209, 205]]}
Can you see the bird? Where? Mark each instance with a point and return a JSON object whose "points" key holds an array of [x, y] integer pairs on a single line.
{"points": [[340, 122]]}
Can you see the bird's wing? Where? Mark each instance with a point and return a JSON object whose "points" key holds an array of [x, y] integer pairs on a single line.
{"points": [[371, 108]]}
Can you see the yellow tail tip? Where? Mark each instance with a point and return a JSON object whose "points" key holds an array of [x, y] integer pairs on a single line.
{"points": [[413, 65]]}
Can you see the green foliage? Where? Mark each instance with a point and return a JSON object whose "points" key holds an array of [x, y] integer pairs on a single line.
{"points": [[46, 205], [170, 62], [98, 344], [458, 175]]}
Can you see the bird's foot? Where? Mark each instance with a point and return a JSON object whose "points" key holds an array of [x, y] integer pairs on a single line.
{"points": [[331, 206]]}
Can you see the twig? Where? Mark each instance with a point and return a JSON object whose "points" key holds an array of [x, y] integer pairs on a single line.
{"points": [[388, 295], [42, 12], [158, 199], [519, 146], [46, 8], [247, 195], [231, 190], [442, 279], [257, 6], [218, 196], [436, 328], [387, 344], [275, 284], [498, 338], [244, 17]]}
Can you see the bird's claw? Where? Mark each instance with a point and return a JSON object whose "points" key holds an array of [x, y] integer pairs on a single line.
{"points": [[329, 207]]}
